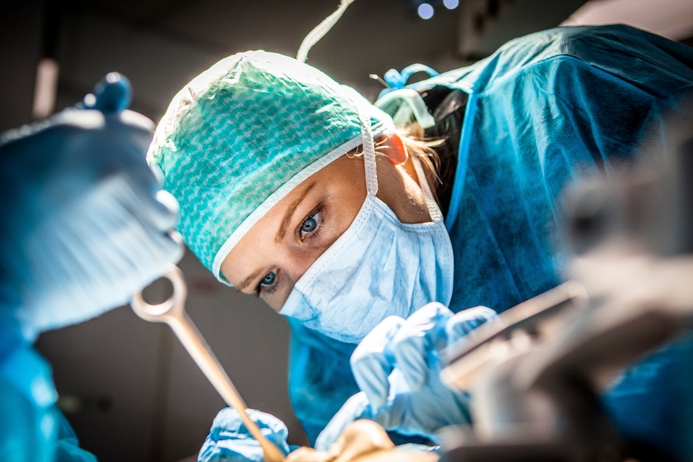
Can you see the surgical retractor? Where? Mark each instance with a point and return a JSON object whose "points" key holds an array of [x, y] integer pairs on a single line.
{"points": [[172, 312]]}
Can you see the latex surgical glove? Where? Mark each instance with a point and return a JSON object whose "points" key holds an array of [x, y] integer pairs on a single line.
{"points": [[230, 441], [84, 223], [397, 367]]}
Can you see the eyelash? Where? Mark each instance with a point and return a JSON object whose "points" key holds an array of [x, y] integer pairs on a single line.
{"points": [[316, 232], [268, 290]]}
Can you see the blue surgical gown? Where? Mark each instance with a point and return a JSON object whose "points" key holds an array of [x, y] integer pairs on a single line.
{"points": [[32, 429], [543, 110]]}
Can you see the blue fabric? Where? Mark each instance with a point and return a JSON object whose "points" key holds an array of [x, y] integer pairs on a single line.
{"points": [[579, 102], [88, 224], [545, 109], [26, 424], [652, 402], [86, 227], [67, 445], [320, 377], [32, 429], [230, 441]]}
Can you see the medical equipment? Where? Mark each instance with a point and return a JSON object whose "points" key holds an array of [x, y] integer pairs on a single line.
{"points": [[561, 377], [172, 312]]}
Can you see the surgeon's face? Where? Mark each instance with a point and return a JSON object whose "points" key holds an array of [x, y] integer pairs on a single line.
{"points": [[279, 248]]}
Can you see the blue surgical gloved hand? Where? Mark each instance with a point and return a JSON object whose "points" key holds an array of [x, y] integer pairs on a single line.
{"points": [[230, 441], [84, 222], [397, 367]]}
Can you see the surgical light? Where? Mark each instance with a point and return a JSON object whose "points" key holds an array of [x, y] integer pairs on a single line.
{"points": [[451, 4], [425, 11]]}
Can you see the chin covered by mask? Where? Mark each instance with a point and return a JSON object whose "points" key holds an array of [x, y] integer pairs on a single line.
{"points": [[379, 267]]}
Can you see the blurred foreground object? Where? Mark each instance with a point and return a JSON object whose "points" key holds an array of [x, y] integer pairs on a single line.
{"points": [[548, 379], [85, 223], [84, 226]]}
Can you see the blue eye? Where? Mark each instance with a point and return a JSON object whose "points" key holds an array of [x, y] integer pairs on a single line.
{"points": [[309, 225], [269, 278]]}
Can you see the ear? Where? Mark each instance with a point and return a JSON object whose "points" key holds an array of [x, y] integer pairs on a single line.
{"points": [[396, 150]]}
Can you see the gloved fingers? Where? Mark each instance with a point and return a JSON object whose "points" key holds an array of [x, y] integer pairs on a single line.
{"points": [[230, 437], [271, 427], [229, 440], [155, 210], [158, 211], [355, 408], [116, 154], [138, 226], [417, 339], [112, 94], [229, 425], [90, 257], [466, 321], [372, 361]]}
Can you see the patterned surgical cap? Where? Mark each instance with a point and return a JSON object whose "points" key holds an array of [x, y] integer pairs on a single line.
{"points": [[245, 133]]}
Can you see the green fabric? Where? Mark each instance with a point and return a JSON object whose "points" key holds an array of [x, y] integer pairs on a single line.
{"points": [[240, 131]]}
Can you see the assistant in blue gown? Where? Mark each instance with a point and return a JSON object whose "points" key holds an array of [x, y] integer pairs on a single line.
{"points": [[542, 111], [84, 225]]}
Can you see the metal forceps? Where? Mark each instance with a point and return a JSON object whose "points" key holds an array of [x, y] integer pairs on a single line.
{"points": [[172, 312]]}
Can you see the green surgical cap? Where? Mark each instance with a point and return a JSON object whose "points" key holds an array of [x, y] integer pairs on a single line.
{"points": [[245, 133]]}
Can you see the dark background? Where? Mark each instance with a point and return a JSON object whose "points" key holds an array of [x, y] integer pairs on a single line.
{"points": [[128, 388]]}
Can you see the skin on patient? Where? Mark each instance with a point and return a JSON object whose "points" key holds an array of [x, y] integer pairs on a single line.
{"points": [[362, 441], [279, 248]]}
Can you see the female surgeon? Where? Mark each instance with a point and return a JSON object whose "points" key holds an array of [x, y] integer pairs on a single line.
{"points": [[296, 189]]}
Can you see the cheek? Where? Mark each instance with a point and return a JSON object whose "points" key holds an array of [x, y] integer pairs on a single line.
{"points": [[299, 260], [348, 208], [276, 301]]}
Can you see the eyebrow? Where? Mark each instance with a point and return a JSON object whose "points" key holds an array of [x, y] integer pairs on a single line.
{"points": [[290, 213], [280, 234], [248, 280]]}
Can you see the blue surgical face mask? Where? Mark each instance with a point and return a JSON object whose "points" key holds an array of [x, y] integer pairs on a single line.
{"points": [[379, 267]]}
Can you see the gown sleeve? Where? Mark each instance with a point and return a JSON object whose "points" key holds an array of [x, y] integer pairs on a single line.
{"points": [[31, 426], [320, 377], [548, 109], [596, 103], [67, 445]]}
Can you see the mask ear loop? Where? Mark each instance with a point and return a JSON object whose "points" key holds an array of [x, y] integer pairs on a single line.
{"points": [[372, 171], [368, 153], [433, 209]]}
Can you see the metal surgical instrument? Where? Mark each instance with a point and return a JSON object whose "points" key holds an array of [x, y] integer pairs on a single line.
{"points": [[172, 312]]}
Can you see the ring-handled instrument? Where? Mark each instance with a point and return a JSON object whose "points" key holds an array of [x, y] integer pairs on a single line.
{"points": [[172, 312]]}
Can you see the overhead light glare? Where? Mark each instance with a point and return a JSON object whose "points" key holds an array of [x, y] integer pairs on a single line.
{"points": [[45, 89], [451, 4], [425, 11]]}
